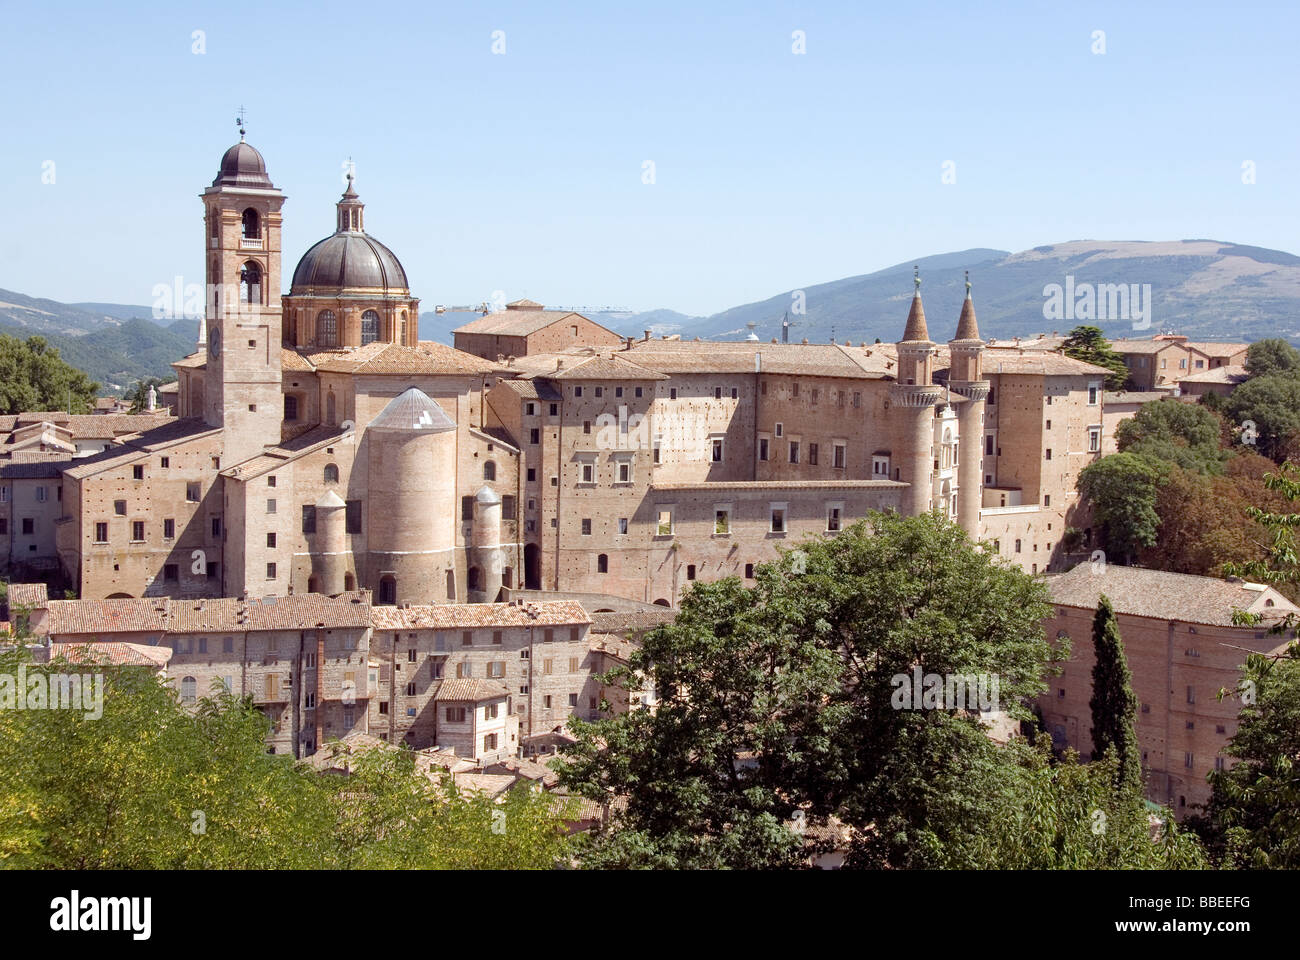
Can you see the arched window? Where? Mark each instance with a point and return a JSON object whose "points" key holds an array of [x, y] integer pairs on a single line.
{"points": [[602, 563], [489, 470], [189, 689], [250, 283], [403, 329], [252, 225], [327, 329], [331, 473], [369, 327]]}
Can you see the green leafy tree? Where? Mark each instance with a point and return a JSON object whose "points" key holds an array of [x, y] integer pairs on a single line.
{"points": [[1068, 816], [1267, 411], [1272, 357], [150, 784], [1184, 434], [34, 377], [1122, 490], [784, 697], [1253, 818], [1089, 344], [1113, 704]]}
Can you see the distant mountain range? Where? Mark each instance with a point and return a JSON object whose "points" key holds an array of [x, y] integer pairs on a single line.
{"points": [[115, 344], [1206, 289]]}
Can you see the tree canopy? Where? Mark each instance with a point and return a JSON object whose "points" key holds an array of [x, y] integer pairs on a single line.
{"points": [[1089, 344], [34, 377], [788, 705]]}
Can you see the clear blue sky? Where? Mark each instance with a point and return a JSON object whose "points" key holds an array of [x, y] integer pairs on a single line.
{"points": [[522, 172]]}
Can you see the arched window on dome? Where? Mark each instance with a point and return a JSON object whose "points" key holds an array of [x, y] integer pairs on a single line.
{"points": [[369, 327], [403, 329], [250, 283], [489, 470], [327, 329], [252, 225], [331, 473]]}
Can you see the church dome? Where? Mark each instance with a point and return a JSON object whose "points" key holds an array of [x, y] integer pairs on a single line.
{"points": [[348, 259], [243, 166], [351, 259]]}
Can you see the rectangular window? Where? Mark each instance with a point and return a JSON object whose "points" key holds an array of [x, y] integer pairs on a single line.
{"points": [[839, 456], [308, 518], [833, 518], [625, 471], [455, 714], [622, 525], [496, 669], [467, 508], [722, 520], [352, 521], [534, 436], [664, 528], [1092, 395], [716, 451], [588, 473], [586, 526], [171, 572], [778, 518], [762, 448], [1094, 439], [812, 454], [270, 540], [169, 529], [119, 508], [490, 712], [496, 637], [137, 530], [270, 571], [508, 507], [1048, 454], [466, 638], [137, 472], [794, 451], [532, 475]]}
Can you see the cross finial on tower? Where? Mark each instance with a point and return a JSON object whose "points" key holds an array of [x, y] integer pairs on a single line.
{"points": [[916, 279], [241, 121]]}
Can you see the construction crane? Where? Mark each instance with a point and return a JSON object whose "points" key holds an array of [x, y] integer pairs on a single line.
{"points": [[484, 308]]}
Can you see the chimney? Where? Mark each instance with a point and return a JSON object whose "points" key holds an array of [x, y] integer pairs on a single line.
{"points": [[559, 364], [645, 334]]}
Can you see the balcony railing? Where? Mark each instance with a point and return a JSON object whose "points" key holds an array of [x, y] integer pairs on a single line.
{"points": [[250, 243]]}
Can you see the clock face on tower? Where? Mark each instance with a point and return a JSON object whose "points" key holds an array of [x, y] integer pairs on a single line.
{"points": [[214, 343]]}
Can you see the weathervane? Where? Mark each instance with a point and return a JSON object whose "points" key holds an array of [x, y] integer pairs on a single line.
{"points": [[916, 278], [967, 284], [240, 120]]}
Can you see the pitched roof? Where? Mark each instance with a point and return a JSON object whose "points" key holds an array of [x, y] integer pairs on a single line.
{"points": [[393, 359], [603, 367], [634, 620], [1214, 349], [112, 653], [1144, 346], [532, 388], [447, 616], [1164, 596], [1037, 363], [144, 615], [738, 356], [1228, 373], [136, 446], [516, 322], [470, 690], [163, 614], [27, 595]]}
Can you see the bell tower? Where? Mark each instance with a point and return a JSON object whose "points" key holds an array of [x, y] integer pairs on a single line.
{"points": [[243, 315]]}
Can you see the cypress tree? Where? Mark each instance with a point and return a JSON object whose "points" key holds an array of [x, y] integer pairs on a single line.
{"points": [[1113, 704]]}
